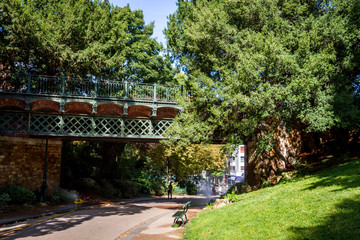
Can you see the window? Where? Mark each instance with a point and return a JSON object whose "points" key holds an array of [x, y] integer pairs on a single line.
{"points": [[242, 159], [242, 149], [233, 168], [242, 167]]}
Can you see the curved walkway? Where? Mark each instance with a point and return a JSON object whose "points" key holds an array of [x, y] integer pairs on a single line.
{"points": [[154, 225]]}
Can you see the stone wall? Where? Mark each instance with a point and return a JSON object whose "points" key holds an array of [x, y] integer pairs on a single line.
{"points": [[22, 161], [284, 155]]}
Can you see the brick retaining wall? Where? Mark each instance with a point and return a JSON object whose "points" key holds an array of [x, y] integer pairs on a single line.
{"points": [[22, 161]]}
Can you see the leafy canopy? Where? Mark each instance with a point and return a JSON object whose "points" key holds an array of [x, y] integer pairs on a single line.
{"points": [[79, 38], [250, 61]]}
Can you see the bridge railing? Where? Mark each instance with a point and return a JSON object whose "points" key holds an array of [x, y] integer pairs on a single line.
{"points": [[89, 87]]}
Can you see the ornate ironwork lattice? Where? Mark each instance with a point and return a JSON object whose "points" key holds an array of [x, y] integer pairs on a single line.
{"points": [[81, 126], [160, 126], [78, 125], [50, 124], [137, 127], [108, 127], [14, 123]]}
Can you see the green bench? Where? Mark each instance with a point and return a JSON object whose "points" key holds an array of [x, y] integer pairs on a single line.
{"points": [[180, 214]]}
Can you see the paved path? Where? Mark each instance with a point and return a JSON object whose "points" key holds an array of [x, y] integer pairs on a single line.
{"points": [[150, 219]]}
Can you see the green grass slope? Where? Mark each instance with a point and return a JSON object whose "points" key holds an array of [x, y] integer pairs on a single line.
{"points": [[322, 206]]}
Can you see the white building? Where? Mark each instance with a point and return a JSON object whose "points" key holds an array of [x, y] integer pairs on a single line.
{"points": [[236, 165]]}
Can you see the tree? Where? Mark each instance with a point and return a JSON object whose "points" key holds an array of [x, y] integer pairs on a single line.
{"points": [[188, 159], [255, 65], [80, 38]]}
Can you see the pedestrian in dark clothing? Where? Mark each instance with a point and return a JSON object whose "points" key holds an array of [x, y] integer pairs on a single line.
{"points": [[170, 189]]}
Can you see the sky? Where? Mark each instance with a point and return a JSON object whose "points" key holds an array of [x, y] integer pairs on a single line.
{"points": [[154, 10]]}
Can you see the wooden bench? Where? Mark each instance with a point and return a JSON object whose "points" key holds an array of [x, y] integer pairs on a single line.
{"points": [[181, 214]]}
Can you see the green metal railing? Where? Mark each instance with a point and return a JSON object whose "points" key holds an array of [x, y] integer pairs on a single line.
{"points": [[89, 87], [81, 126]]}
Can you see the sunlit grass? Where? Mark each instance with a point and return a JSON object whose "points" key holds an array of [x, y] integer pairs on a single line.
{"points": [[323, 206]]}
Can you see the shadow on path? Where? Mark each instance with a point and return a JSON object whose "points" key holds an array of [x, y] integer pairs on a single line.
{"points": [[72, 220]]}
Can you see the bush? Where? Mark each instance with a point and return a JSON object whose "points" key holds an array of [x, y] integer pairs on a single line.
{"points": [[191, 188], [108, 190], [128, 189], [159, 188], [88, 184], [4, 199], [18, 194], [239, 188], [58, 197]]}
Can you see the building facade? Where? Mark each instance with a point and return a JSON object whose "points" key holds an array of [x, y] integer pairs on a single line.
{"points": [[236, 165]]}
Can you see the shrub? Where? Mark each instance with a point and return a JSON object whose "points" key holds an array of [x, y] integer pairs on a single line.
{"points": [[18, 194], [4, 199], [159, 188], [191, 188], [239, 188], [58, 197], [88, 184], [128, 189], [231, 196], [108, 190]]}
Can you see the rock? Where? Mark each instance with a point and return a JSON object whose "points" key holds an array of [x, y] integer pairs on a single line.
{"points": [[221, 203]]}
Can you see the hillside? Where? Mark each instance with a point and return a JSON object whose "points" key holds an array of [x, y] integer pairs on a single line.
{"points": [[325, 205]]}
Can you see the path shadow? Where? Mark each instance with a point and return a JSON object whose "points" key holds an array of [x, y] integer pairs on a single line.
{"points": [[343, 224], [73, 219]]}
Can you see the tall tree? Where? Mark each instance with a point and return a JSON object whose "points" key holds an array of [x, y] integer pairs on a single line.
{"points": [[183, 161], [80, 38], [252, 65]]}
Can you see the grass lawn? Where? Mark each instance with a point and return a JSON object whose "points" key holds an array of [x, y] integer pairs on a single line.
{"points": [[325, 205]]}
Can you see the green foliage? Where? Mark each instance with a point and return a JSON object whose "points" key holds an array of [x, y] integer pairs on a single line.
{"points": [[232, 196], [18, 194], [58, 197], [108, 190], [239, 188], [151, 184], [265, 143], [4, 199], [88, 184], [266, 183], [191, 188], [250, 62], [80, 38], [187, 159], [128, 189]]}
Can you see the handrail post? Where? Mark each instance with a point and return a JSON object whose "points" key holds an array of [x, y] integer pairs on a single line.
{"points": [[126, 90], [96, 87], [63, 86], [155, 99], [29, 83]]}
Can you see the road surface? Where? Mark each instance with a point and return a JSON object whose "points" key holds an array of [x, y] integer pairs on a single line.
{"points": [[112, 221]]}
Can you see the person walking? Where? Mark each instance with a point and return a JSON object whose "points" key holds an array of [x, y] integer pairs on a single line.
{"points": [[170, 190]]}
